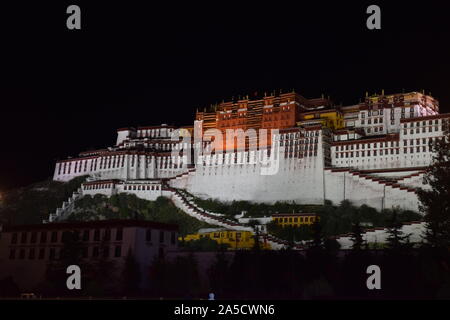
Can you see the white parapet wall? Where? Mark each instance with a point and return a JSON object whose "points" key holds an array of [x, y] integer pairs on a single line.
{"points": [[302, 181], [148, 190], [415, 230]]}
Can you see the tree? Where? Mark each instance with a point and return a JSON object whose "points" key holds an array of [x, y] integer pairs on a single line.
{"points": [[317, 256], [9, 288], [254, 224], [356, 236], [435, 202], [317, 236], [159, 277], [396, 239], [218, 274], [131, 275]]}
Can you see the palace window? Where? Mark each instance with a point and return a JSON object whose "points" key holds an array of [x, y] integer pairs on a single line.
{"points": [[33, 237], [119, 234], [31, 254], [96, 235], [85, 235], [43, 237], [52, 254], [14, 238], [107, 235], [54, 236], [118, 251], [24, 237], [41, 253], [105, 252]]}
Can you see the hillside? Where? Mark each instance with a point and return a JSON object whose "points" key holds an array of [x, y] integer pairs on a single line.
{"points": [[33, 203], [127, 206]]}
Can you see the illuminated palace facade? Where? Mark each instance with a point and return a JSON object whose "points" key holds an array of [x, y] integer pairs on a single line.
{"points": [[373, 153]]}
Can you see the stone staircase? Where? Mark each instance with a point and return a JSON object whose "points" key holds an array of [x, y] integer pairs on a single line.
{"points": [[400, 184], [185, 203], [192, 202], [393, 183], [414, 179], [182, 202], [179, 180], [66, 208]]}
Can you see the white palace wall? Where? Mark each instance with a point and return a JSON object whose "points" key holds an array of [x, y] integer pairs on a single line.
{"points": [[240, 176], [124, 167], [296, 180]]}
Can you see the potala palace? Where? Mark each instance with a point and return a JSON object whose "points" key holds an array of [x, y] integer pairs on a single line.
{"points": [[308, 151]]}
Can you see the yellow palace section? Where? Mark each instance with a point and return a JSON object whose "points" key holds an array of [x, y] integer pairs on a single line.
{"points": [[234, 239], [295, 219]]}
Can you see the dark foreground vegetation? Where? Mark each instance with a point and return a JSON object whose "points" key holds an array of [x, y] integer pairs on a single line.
{"points": [[320, 272]]}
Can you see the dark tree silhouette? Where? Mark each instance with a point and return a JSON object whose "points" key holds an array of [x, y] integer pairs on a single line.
{"points": [[131, 275], [9, 288], [356, 236], [435, 202], [396, 239], [218, 274]]}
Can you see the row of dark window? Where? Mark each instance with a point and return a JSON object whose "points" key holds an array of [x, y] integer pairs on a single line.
{"points": [[363, 145], [375, 113], [53, 236], [356, 153], [85, 235], [430, 129], [106, 163], [386, 152], [288, 136], [424, 141], [299, 142], [375, 129], [148, 236], [300, 154], [375, 121], [140, 187], [295, 220], [424, 122], [57, 253]]}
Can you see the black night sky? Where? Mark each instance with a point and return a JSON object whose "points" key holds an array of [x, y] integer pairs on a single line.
{"points": [[65, 91]]}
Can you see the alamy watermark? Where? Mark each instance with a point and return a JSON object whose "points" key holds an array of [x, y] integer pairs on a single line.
{"points": [[374, 281], [74, 20], [236, 146], [74, 280], [374, 20]]}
